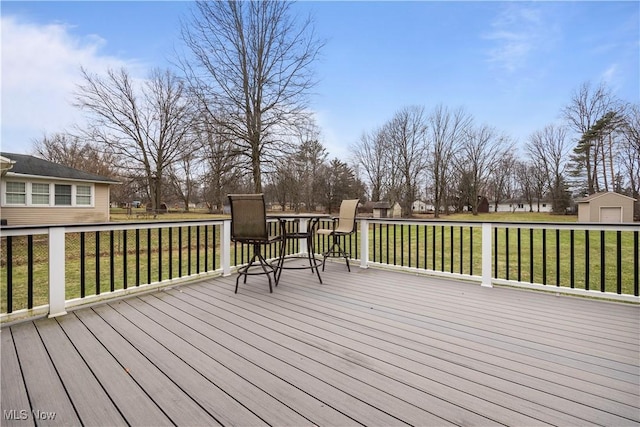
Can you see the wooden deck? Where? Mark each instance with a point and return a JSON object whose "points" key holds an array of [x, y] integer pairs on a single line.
{"points": [[369, 347]]}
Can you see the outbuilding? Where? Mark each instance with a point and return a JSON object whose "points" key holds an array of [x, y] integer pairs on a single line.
{"points": [[607, 207], [386, 210]]}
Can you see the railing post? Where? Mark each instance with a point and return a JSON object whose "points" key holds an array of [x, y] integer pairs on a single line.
{"points": [[57, 269], [487, 245], [302, 243], [364, 243], [225, 247]]}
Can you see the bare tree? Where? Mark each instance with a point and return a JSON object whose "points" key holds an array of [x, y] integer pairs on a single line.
{"points": [[285, 183], [146, 126], [446, 131], [72, 151], [407, 143], [221, 171], [75, 152], [371, 156], [501, 178], [480, 155], [549, 150], [307, 158], [587, 105], [524, 182], [181, 175], [251, 64]]}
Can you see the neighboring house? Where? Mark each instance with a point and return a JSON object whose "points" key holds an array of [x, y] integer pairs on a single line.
{"points": [[386, 210], [606, 207], [34, 191], [517, 205], [420, 207]]}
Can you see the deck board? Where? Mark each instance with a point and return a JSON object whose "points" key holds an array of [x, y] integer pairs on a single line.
{"points": [[89, 399], [484, 379], [247, 376], [490, 387], [14, 393], [208, 381], [46, 391], [135, 405], [172, 400], [370, 347]]}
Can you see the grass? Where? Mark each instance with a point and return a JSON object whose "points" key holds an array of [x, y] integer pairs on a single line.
{"points": [[538, 255], [139, 215], [511, 217], [434, 247]]}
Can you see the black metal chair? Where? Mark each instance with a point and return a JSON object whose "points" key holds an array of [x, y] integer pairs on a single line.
{"points": [[342, 226], [249, 226]]}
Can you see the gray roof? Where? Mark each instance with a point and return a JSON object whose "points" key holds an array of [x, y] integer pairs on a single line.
{"points": [[29, 165], [382, 205]]}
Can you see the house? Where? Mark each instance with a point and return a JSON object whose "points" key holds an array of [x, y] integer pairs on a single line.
{"points": [[420, 207], [34, 191], [606, 207], [519, 205], [386, 210]]}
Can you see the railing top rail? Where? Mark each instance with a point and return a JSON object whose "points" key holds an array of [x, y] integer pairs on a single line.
{"points": [[17, 230], [21, 231], [418, 221], [571, 225], [635, 226]]}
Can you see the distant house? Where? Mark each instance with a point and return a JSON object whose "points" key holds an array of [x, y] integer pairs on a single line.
{"points": [[518, 205], [386, 210], [34, 191], [420, 207], [606, 207]]}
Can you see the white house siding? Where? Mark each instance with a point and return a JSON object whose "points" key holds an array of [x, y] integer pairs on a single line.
{"points": [[521, 207]]}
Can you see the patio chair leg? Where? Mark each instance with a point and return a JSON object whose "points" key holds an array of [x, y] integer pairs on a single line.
{"points": [[244, 271], [333, 251], [327, 254], [280, 263], [312, 259], [264, 265]]}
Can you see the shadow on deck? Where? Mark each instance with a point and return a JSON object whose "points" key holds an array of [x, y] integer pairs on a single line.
{"points": [[369, 347]]}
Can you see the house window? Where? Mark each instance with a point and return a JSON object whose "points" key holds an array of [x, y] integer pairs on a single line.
{"points": [[16, 193], [83, 195], [63, 195], [40, 194]]}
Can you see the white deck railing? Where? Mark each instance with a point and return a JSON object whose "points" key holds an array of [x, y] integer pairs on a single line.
{"points": [[585, 259]]}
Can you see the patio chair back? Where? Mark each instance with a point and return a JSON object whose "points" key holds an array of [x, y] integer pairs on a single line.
{"points": [[248, 217], [347, 219]]}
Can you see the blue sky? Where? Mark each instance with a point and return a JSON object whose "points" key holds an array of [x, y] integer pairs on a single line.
{"points": [[512, 65]]}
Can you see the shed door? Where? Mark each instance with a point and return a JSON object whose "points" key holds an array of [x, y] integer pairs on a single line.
{"points": [[611, 214]]}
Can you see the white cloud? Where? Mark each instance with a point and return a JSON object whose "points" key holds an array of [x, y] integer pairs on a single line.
{"points": [[516, 33], [612, 77], [40, 70]]}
